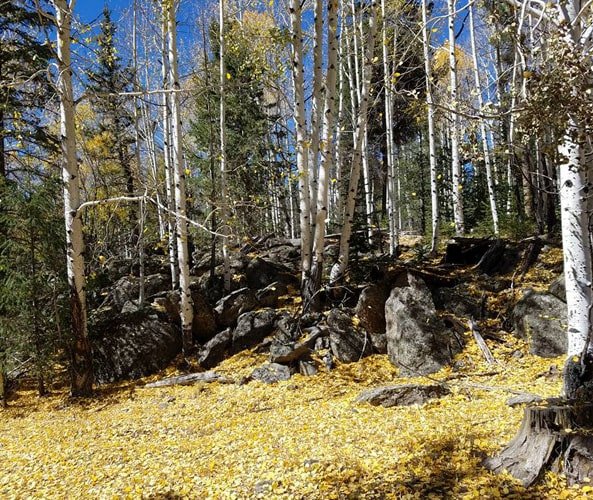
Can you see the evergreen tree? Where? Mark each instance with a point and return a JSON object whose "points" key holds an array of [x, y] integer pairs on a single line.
{"points": [[114, 125], [24, 90]]}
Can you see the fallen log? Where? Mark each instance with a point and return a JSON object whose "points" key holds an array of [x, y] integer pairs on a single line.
{"points": [[192, 378]]}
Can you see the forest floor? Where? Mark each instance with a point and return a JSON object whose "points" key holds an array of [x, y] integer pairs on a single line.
{"points": [[303, 438]]}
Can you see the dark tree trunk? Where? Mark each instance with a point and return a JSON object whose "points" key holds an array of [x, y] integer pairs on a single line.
{"points": [[81, 366]]}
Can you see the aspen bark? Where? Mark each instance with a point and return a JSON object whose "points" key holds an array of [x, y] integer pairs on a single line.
{"points": [[434, 188], [482, 120], [457, 195], [298, 71], [186, 311], [81, 355], [340, 266], [391, 170], [326, 150], [167, 151], [317, 106]]}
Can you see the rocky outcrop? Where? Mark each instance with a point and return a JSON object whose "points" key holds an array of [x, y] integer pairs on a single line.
{"points": [[214, 351], [418, 342], [229, 308], [252, 328], [132, 345], [348, 342], [541, 319]]}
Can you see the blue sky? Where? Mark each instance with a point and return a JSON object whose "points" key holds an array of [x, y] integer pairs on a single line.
{"points": [[88, 10]]}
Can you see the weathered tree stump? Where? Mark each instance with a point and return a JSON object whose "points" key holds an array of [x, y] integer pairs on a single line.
{"points": [[557, 436]]}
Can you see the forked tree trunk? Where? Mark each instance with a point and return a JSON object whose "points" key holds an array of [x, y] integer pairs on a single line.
{"points": [[81, 361], [311, 291], [186, 311]]}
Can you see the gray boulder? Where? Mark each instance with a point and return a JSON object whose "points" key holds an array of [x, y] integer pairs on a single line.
{"points": [[229, 308], [132, 345], [541, 319], [271, 373], [348, 343], [252, 328], [402, 395], [268, 296], [418, 342], [260, 273], [204, 323], [370, 309], [558, 288], [214, 350]]}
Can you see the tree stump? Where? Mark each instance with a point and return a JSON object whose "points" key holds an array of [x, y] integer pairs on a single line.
{"points": [[557, 436]]}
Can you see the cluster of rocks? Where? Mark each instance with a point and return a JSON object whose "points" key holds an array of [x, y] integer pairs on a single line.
{"points": [[398, 315]]}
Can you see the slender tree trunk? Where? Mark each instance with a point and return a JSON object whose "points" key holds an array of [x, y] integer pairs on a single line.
{"points": [[366, 173], [167, 151], [457, 194], [482, 120], [340, 266], [326, 155], [317, 107], [81, 363], [224, 212], [298, 71], [140, 241], [391, 190], [434, 188], [179, 176]]}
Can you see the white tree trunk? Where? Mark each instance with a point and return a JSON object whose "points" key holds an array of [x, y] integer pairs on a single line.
{"points": [[456, 188], [167, 151], [186, 311], [326, 150], [393, 201], [482, 120], [317, 106], [224, 209], [298, 70], [366, 173], [434, 187], [340, 266], [81, 362]]}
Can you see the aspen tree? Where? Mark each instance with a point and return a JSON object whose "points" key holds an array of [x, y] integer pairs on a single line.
{"points": [[81, 362], [167, 152], [434, 188], [326, 149], [391, 169], [456, 188], [298, 71], [362, 118], [186, 311], [482, 120]]}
